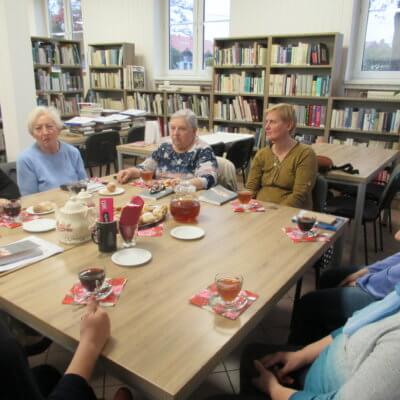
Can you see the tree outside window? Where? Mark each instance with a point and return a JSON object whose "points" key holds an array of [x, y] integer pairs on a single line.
{"points": [[65, 19]]}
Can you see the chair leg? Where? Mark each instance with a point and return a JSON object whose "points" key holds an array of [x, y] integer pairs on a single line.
{"points": [[365, 244], [108, 167], [380, 231], [390, 220], [375, 244], [244, 176], [100, 170], [90, 171]]}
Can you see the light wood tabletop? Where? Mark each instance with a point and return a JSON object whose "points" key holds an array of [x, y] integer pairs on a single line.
{"points": [[80, 140], [160, 343], [369, 161]]}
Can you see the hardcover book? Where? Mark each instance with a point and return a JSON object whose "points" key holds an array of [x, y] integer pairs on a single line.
{"points": [[217, 195]]}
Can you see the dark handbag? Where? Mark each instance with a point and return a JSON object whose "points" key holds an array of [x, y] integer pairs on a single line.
{"points": [[325, 164]]}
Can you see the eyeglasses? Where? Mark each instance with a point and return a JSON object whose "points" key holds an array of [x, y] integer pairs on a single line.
{"points": [[49, 128]]}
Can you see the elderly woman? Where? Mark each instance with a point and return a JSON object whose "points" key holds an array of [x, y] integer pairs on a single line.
{"points": [[48, 163], [283, 172], [183, 155]]}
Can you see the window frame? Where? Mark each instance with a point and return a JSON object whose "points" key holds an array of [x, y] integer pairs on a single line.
{"points": [[68, 23], [360, 22], [197, 72]]}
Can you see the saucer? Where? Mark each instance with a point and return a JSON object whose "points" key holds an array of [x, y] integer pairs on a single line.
{"points": [[188, 232], [39, 225], [116, 192], [131, 257]]}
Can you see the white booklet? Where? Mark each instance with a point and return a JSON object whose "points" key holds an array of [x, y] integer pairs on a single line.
{"points": [[35, 249]]}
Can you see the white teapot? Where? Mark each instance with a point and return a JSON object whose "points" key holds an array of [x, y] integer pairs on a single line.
{"points": [[86, 198], [74, 221]]}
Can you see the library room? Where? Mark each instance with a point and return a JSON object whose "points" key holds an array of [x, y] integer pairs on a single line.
{"points": [[199, 199]]}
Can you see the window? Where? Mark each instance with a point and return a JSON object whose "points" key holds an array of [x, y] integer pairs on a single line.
{"points": [[65, 19], [377, 55], [193, 25]]}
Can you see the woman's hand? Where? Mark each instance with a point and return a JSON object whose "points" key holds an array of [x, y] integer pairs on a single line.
{"points": [[126, 174], [351, 279], [266, 380], [95, 327], [283, 363]]}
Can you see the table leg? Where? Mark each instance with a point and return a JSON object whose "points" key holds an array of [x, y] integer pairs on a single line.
{"points": [[120, 161], [357, 221]]}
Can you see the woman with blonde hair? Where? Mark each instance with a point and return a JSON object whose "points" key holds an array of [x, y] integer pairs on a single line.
{"points": [[48, 163], [283, 172]]}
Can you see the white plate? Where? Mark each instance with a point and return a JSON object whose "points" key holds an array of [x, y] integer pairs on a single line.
{"points": [[117, 191], [131, 257], [187, 232], [39, 225], [29, 210]]}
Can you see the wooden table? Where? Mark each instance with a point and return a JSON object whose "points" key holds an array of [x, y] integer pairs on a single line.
{"points": [[141, 150], [369, 161], [80, 140], [160, 343]]}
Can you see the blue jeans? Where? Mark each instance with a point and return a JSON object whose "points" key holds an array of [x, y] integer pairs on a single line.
{"points": [[318, 313]]}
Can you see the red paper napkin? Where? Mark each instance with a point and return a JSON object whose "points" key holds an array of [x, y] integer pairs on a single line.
{"points": [[154, 231], [253, 206], [209, 300], [138, 183], [298, 236], [78, 294], [23, 217], [130, 214]]}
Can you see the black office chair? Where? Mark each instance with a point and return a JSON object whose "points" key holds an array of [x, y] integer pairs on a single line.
{"points": [[218, 149], [345, 206], [240, 154], [101, 151]]}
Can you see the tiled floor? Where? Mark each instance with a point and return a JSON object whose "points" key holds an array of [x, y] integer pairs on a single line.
{"points": [[225, 378]]}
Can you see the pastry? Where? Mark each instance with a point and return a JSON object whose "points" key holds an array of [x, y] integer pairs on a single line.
{"points": [[111, 186], [43, 206]]}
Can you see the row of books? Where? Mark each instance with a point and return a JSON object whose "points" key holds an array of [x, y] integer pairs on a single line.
{"points": [[57, 81], [107, 80], [66, 105], [245, 82], [238, 109], [254, 54], [200, 105], [300, 54], [106, 56], [152, 103], [109, 102], [299, 85], [310, 115], [134, 77], [379, 144], [257, 132], [366, 119], [50, 53]]}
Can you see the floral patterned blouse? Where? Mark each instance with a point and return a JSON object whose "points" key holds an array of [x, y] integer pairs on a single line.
{"points": [[199, 161]]}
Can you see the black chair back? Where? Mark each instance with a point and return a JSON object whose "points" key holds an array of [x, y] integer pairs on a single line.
{"points": [[10, 169], [218, 149], [136, 134], [240, 154], [101, 150], [319, 193], [392, 187]]}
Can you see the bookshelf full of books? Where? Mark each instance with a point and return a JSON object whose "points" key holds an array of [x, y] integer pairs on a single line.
{"points": [[239, 79], [58, 74], [110, 71], [373, 122], [303, 71]]}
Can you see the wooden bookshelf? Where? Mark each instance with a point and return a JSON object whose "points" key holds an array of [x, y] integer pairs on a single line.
{"points": [[365, 121], [107, 76], [58, 73]]}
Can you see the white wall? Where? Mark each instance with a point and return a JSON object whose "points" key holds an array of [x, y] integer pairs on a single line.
{"points": [[260, 17], [134, 21]]}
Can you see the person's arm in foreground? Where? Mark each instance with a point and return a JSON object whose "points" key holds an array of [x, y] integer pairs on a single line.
{"points": [[283, 363]]}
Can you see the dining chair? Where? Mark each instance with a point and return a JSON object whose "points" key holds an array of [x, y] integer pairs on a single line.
{"points": [[345, 207], [218, 149], [240, 154], [227, 174], [101, 151], [10, 169], [135, 134]]}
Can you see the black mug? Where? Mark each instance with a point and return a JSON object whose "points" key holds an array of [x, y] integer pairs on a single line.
{"points": [[105, 236]]}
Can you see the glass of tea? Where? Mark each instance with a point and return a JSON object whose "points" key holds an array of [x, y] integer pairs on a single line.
{"points": [[228, 287], [244, 197], [12, 209], [146, 176], [92, 279], [128, 233], [305, 224]]}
